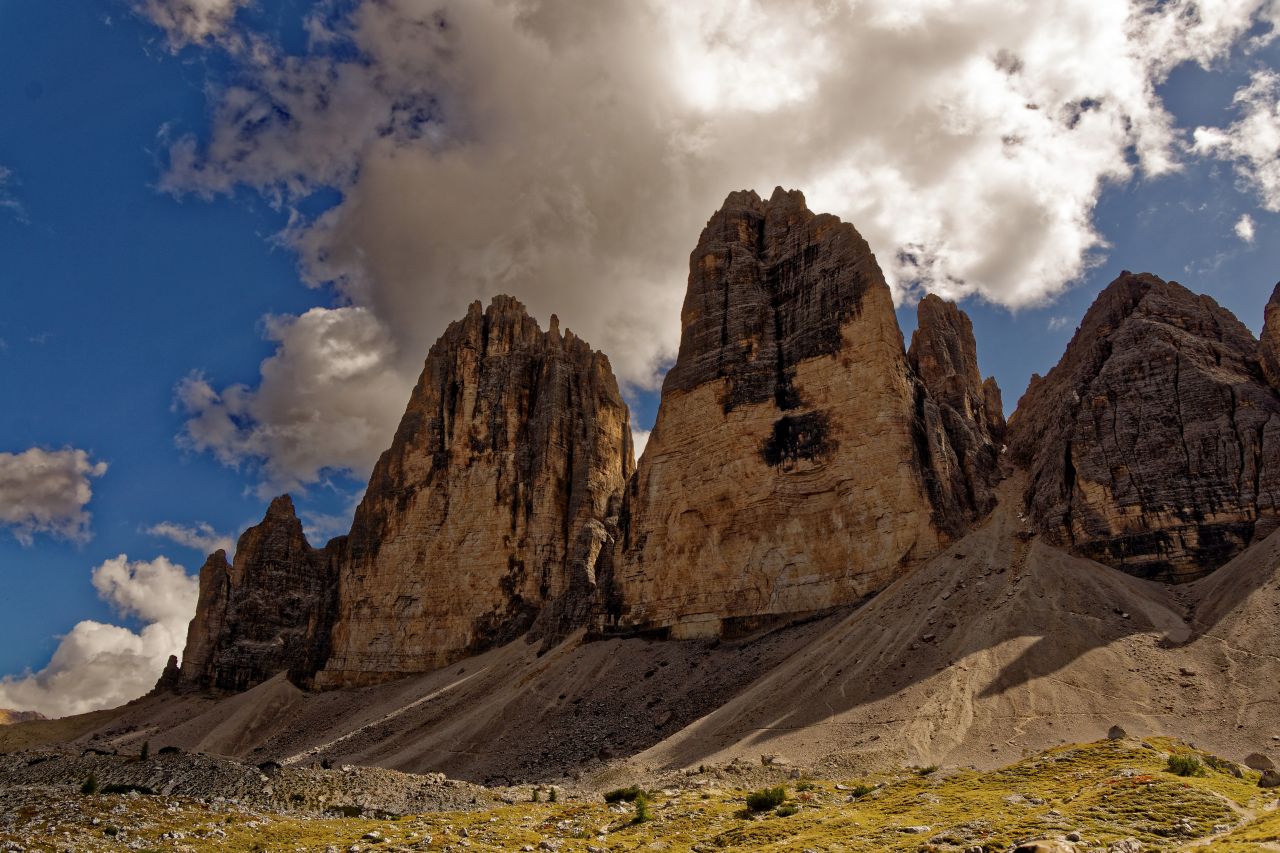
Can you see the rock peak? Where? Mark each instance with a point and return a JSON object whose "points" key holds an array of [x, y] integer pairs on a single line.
{"points": [[1269, 342], [487, 516], [792, 465], [1148, 444]]}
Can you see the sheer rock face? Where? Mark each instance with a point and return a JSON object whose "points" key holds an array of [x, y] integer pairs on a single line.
{"points": [[1154, 444], [1269, 345], [962, 414], [489, 513], [790, 467], [268, 611]]}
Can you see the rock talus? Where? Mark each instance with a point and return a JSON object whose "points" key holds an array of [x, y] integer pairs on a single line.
{"points": [[488, 516], [790, 468], [1154, 444], [270, 610]]}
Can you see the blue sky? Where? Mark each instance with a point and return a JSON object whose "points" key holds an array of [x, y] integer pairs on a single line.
{"points": [[121, 275]]}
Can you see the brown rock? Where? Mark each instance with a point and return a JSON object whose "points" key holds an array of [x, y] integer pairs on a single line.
{"points": [[489, 513], [1154, 444], [170, 679], [963, 415], [1269, 779], [1269, 343], [1258, 761], [267, 612], [9, 717], [789, 469]]}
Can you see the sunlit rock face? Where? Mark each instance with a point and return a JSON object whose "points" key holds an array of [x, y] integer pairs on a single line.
{"points": [[1154, 444], [798, 461], [487, 517]]}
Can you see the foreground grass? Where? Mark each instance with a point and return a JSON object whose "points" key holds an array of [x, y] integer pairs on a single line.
{"points": [[1105, 791]]}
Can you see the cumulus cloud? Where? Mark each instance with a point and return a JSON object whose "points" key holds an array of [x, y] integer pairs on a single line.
{"points": [[98, 665], [201, 536], [190, 21], [639, 440], [1252, 143], [330, 398], [46, 491], [1245, 228], [570, 153]]}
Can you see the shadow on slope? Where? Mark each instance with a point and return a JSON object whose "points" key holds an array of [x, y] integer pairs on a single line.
{"points": [[1000, 644]]}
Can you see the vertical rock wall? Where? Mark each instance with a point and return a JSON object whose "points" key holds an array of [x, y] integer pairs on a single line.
{"points": [[1154, 444], [488, 515]]}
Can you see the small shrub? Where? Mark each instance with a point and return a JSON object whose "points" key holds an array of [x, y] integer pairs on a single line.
{"points": [[146, 750], [622, 795], [90, 785], [860, 791], [326, 764], [537, 795], [766, 798], [642, 810], [1185, 765], [806, 786], [551, 795], [111, 831], [787, 810], [927, 771]]}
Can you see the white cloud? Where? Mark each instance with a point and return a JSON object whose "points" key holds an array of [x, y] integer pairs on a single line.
{"points": [[1252, 143], [98, 665], [190, 21], [570, 153], [329, 398], [201, 536], [46, 491], [639, 439], [1245, 228], [1058, 322]]}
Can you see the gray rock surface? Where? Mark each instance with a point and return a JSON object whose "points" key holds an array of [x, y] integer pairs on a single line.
{"points": [[1154, 444]]}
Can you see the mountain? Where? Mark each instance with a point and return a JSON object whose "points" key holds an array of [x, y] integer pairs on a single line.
{"points": [[486, 518], [833, 545], [9, 717], [1154, 444], [799, 461]]}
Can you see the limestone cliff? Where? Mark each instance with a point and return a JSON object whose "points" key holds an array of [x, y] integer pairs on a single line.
{"points": [[1269, 344], [269, 611], [791, 468], [488, 515], [1154, 444], [963, 416]]}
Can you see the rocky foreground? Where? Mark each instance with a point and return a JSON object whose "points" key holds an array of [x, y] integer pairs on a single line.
{"points": [[1120, 795]]}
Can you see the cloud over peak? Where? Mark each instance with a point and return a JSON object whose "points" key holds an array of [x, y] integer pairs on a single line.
{"points": [[569, 154]]}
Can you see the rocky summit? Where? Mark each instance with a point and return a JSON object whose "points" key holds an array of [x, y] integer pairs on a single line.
{"points": [[1154, 445], [803, 460], [270, 610], [799, 460], [488, 515], [1269, 345]]}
